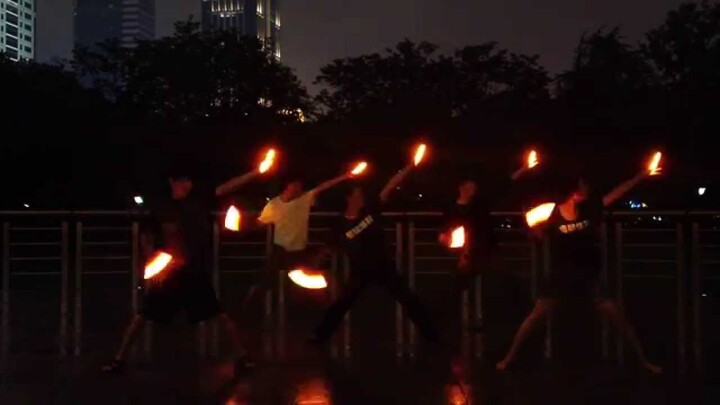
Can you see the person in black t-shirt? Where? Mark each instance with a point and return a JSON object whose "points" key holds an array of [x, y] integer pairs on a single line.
{"points": [[573, 229], [471, 211], [180, 227], [360, 234]]}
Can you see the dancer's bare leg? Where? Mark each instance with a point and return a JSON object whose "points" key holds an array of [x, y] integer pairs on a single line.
{"points": [[540, 312], [610, 312], [131, 334], [232, 330]]}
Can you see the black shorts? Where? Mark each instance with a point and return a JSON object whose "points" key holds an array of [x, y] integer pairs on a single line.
{"points": [[190, 292], [572, 288]]}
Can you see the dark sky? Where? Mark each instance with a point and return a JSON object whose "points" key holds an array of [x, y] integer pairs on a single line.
{"points": [[317, 31]]}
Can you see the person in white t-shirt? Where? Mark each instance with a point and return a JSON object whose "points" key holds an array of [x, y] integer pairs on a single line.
{"points": [[290, 214]]}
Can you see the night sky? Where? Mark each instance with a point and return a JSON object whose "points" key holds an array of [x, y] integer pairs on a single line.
{"points": [[317, 31]]}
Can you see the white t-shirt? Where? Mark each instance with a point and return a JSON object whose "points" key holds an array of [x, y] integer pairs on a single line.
{"points": [[291, 220]]}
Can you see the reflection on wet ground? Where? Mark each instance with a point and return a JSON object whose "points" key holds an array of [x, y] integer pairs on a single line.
{"points": [[316, 378]]}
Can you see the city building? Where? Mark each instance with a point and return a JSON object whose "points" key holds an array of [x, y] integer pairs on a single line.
{"points": [[17, 29], [127, 20], [259, 18]]}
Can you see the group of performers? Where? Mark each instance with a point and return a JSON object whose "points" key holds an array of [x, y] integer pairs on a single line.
{"points": [[180, 226]]}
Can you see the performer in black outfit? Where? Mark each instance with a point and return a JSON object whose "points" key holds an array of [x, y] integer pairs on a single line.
{"points": [[573, 230], [181, 227], [472, 212], [360, 234]]}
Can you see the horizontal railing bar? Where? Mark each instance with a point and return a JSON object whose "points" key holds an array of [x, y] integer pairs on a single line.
{"points": [[663, 276], [106, 243], [106, 228], [656, 261], [34, 244], [103, 273], [243, 257], [648, 245], [106, 257], [332, 213], [35, 228], [39, 273], [239, 271], [25, 259]]}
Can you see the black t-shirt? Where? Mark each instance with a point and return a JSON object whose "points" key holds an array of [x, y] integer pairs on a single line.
{"points": [[183, 227], [363, 238], [475, 218], [575, 253]]}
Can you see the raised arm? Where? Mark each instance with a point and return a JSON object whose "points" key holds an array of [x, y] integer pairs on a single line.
{"points": [[394, 182], [234, 183], [622, 189], [330, 183]]}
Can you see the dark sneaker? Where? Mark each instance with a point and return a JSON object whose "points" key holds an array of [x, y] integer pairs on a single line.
{"points": [[114, 367], [244, 365]]}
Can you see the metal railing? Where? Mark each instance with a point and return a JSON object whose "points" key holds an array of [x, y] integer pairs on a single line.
{"points": [[47, 245]]}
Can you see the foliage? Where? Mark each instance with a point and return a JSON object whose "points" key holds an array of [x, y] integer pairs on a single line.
{"points": [[194, 76]]}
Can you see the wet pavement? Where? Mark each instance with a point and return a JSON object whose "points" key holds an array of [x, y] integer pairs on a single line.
{"points": [[176, 375]]}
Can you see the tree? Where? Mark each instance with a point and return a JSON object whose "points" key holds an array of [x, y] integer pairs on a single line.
{"points": [[412, 83], [685, 54], [194, 76], [608, 92]]}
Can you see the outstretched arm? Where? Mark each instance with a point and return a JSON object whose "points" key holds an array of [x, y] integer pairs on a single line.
{"points": [[234, 183], [394, 182], [622, 189], [330, 183]]}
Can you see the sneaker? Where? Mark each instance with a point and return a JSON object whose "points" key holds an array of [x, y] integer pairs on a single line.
{"points": [[114, 367], [243, 365]]}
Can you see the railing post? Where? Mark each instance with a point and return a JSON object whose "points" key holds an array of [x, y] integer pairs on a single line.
{"points": [[266, 296], [549, 332], [479, 315], [77, 293], [281, 314], [697, 284], [347, 327], [412, 336], [215, 338], [681, 298], [619, 298], [399, 321], [604, 279], [6, 289], [134, 276], [335, 279], [64, 278], [534, 270]]}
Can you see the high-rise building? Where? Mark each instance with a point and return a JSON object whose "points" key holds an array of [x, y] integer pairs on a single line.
{"points": [[17, 29], [259, 18], [127, 20]]}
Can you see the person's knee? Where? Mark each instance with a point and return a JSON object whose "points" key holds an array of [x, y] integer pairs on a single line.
{"points": [[543, 308], [606, 307]]}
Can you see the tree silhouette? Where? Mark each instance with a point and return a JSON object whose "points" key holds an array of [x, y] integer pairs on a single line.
{"points": [[194, 76]]}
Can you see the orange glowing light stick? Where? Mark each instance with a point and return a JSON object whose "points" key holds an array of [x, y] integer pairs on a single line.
{"points": [[532, 159], [419, 153], [157, 264], [359, 169], [654, 167], [232, 219], [539, 214], [313, 280], [457, 238], [268, 162]]}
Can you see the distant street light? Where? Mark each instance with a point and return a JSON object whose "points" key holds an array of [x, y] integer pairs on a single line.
{"points": [[138, 200], [702, 190], [26, 205]]}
